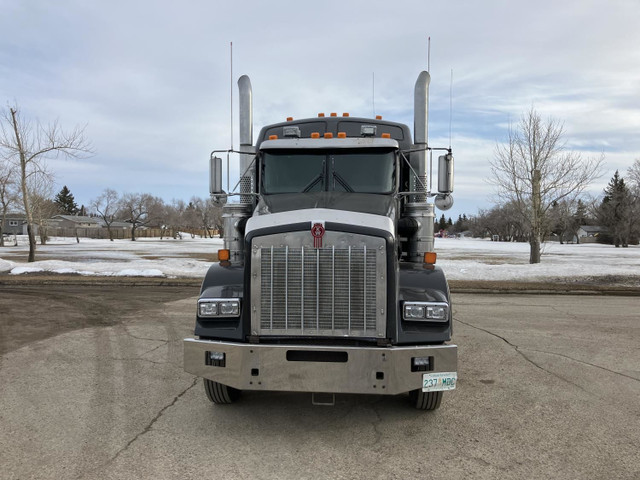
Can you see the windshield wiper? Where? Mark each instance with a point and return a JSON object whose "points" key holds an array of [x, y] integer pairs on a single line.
{"points": [[313, 183], [342, 182]]}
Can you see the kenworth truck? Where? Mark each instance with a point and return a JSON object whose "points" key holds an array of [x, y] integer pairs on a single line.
{"points": [[327, 281]]}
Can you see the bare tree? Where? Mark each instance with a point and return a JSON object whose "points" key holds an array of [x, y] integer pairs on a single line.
{"points": [[191, 219], [208, 214], [175, 213], [106, 206], [533, 170], [25, 144], [41, 189], [563, 221], [633, 174], [133, 207], [140, 209], [8, 194]]}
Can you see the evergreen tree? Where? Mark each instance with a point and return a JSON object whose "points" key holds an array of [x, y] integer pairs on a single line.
{"points": [[65, 202], [580, 216], [442, 225], [615, 210]]}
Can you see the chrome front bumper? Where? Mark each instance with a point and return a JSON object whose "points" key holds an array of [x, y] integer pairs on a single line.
{"points": [[303, 368]]}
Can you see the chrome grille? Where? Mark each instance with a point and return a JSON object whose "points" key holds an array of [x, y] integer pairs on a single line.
{"points": [[333, 290]]}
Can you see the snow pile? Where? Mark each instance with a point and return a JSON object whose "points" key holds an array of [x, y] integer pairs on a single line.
{"points": [[461, 259]]}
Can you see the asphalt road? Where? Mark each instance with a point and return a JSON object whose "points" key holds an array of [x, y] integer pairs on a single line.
{"points": [[92, 387]]}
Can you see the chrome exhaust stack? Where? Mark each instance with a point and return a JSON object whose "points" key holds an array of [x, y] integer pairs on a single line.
{"points": [[235, 215], [417, 209], [418, 180], [247, 171]]}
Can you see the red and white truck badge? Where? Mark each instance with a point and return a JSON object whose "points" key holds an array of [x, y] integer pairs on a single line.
{"points": [[317, 230]]}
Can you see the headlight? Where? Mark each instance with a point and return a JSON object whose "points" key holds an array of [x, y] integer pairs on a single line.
{"points": [[218, 307], [425, 311]]}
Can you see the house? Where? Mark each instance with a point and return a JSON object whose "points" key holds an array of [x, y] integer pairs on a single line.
{"points": [[14, 224], [589, 233], [73, 221]]}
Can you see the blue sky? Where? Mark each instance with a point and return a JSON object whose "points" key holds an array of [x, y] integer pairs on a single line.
{"points": [[151, 80]]}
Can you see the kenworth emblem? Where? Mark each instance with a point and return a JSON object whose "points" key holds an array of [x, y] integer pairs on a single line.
{"points": [[317, 230]]}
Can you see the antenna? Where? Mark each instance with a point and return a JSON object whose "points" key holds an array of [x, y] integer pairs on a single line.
{"points": [[450, 106], [373, 93], [429, 54], [231, 97]]}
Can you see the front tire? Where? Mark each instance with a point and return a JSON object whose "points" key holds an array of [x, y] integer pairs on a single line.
{"points": [[220, 394], [425, 400]]}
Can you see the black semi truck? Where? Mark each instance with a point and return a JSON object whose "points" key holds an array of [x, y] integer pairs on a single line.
{"points": [[327, 281]]}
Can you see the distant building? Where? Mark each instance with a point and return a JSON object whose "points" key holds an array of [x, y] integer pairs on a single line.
{"points": [[74, 221], [589, 233], [14, 224]]}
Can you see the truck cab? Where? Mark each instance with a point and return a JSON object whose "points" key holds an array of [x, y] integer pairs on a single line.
{"points": [[327, 282]]}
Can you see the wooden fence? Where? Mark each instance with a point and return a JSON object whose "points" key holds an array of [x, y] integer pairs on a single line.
{"points": [[123, 233]]}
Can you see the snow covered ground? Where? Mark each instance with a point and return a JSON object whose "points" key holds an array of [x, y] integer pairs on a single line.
{"points": [[462, 259]]}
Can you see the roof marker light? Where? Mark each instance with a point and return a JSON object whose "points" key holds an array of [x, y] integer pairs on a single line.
{"points": [[386, 135], [345, 114], [321, 115], [342, 134], [289, 119], [378, 117], [334, 114], [315, 135], [273, 137], [328, 135]]}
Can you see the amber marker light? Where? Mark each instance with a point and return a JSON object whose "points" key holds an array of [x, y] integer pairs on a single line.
{"points": [[321, 115], [289, 119], [328, 135], [273, 137], [378, 117], [334, 114], [386, 135], [224, 255], [342, 134], [315, 135], [430, 257], [345, 114]]}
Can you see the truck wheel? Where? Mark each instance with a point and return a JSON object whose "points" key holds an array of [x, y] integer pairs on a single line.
{"points": [[425, 400], [219, 393]]}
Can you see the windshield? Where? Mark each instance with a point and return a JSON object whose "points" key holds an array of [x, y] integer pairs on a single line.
{"points": [[359, 171]]}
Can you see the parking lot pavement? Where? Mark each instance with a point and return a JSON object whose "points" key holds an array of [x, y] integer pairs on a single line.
{"points": [[548, 388]]}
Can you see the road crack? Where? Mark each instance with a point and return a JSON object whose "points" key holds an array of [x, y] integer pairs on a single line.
{"points": [[523, 355], [146, 429], [584, 363]]}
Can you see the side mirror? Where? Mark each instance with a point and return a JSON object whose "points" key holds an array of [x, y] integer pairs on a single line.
{"points": [[215, 176], [445, 173]]}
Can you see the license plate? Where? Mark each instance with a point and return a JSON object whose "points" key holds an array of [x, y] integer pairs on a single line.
{"points": [[435, 382]]}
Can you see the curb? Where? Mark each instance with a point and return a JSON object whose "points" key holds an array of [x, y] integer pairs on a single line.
{"points": [[456, 286]]}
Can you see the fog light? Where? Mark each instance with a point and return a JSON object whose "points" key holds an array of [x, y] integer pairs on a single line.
{"points": [[216, 356], [421, 361]]}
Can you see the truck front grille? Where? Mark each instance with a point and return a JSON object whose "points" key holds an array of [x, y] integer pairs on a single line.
{"points": [[333, 290]]}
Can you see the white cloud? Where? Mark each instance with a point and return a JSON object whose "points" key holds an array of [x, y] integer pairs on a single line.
{"points": [[151, 79]]}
